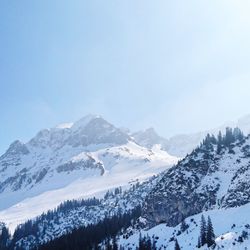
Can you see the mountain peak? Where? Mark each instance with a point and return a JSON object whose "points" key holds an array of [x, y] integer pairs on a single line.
{"points": [[151, 130], [17, 147], [148, 138], [84, 121], [89, 130]]}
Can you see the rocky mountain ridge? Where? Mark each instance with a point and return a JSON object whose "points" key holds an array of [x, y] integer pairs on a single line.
{"points": [[214, 175], [71, 161]]}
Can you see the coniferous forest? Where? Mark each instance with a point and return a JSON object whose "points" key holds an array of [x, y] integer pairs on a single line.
{"points": [[91, 236]]}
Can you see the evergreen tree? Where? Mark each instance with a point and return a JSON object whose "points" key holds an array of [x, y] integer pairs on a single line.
{"points": [[210, 233], [177, 246], [145, 243], [213, 140], [184, 226], [154, 244], [229, 137], [114, 243], [199, 242], [140, 242], [219, 142], [203, 233], [108, 245], [207, 142], [238, 134], [4, 238], [148, 243]]}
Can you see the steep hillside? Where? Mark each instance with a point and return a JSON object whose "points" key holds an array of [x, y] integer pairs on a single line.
{"points": [[74, 214], [215, 175], [231, 228]]}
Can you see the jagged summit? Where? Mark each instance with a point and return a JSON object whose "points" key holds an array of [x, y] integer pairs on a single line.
{"points": [[148, 138], [16, 148], [89, 130], [80, 123], [85, 120]]}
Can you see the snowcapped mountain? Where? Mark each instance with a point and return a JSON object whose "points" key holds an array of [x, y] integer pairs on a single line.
{"points": [[183, 144], [70, 161], [179, 145], [149, 138]]}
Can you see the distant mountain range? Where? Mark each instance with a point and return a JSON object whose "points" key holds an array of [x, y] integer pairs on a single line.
{"points": [[183, 144]]}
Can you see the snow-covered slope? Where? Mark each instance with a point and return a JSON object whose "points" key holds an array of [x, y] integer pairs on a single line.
{"points": [[55, 224], [213, 180], [214, 175], [231, 228], [71, 161]]}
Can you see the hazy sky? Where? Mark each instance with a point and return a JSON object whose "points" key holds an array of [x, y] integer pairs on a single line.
{"points": [[180, 66]]}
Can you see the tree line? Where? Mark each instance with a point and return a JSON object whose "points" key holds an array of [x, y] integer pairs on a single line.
{"points": [[91, 236]]}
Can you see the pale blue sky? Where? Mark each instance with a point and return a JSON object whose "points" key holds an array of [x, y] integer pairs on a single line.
{"points": [[180, 66]]}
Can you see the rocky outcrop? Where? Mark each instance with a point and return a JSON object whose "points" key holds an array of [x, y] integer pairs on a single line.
{"points": [[212, 176]]}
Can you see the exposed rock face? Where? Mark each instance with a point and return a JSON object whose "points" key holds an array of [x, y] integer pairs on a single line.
{"points": [[83, 164], [57, 157], [204, 180], [14, 152], [24, 165], [17, 148], [87, 131], [98, 131]]}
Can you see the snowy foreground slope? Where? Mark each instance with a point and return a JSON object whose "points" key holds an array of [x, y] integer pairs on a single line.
{"points": [[83, 159], [229, 225]]}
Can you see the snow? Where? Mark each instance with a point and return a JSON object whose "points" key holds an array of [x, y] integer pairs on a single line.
{"points": [[72, 161], [94, 168], [228, 226], [84, 121], [182, 144], [65, 125], [123, 164]]}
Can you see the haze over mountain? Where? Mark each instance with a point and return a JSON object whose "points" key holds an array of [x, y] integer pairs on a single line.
{"points": [[81, 159], [183, 144]]}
